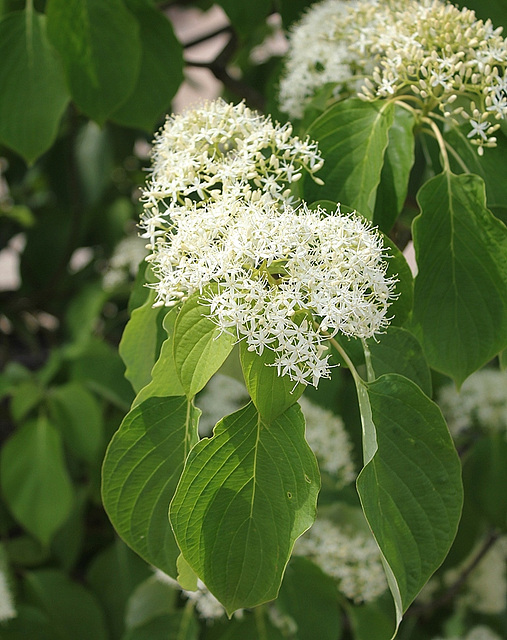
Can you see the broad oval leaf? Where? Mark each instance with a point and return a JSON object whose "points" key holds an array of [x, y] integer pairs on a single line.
{"points": [[34, 478], [352, 137], [398, 351], [244, 498], [34, 95], [199, 348], [161, 71], [410, 487], [164, 377], [460, 294], [398, 161], [141, 469], [141, 342], [77, 414], [73, 610], [272, 394], [100, 49]]}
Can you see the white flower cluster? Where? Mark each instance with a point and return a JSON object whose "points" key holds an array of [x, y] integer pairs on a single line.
{"points": [[325, 431], [481, 403], [427, 51], [352, 558], [218, 217], [480, 632], [218, 149], [284, 279], [485, 590]]}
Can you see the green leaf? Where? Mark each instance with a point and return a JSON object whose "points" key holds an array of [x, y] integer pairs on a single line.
{"points": [[33, 96], [199, 348], [460, 295], [491, 167], [141, 342], [352, 137], [398, 351], [410, 487], [175, 626], [246, 16], [142, 466], [151, 599], [310, 598], [270, 393], [25, 397], [72, 609], [113, 575], [30, 622], [100, 50], [164, 377], [371, 620], [100, 368], [34, 479], [398, 161], [83, 311], [78, 416], [161, 71], [398, 268], [244, 498], [486, 470]]}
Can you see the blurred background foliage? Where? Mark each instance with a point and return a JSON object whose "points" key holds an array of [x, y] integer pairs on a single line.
{"points": [[83, 86]]}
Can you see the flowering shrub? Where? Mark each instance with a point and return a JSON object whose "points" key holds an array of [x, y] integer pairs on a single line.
{"points": [[252, 375]]}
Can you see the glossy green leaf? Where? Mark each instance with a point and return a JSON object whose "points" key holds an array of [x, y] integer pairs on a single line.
{"points": [[398, 161], [141, 469], [272, 394], [141, 342], [161, 71], [78, 416], [72, 609], [100, 49], [352, 137], [34, 479], [244, 497], [33, 96], [398, 351], [164, 377], [410, 487], [460, 295], [310, 598], [199, 348]]}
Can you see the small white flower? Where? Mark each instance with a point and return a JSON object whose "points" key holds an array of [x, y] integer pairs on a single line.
{"points": [[350, 556]]}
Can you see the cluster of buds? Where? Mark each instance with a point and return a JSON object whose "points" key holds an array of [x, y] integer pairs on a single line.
{"points": [[437, 57]]}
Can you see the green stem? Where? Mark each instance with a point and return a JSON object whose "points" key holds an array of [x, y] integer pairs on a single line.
{"points": [[367, 357], [441, 142]]}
